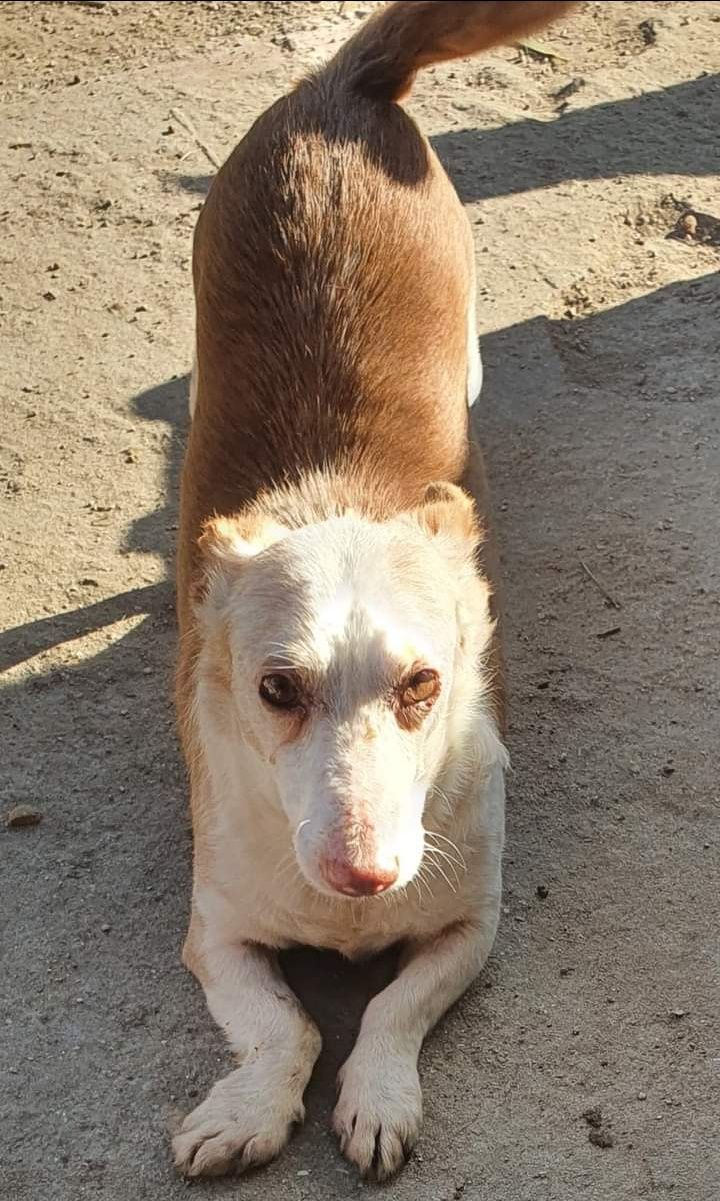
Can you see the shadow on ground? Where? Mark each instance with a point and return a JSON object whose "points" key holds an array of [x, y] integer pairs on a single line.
{"points": [[104, 882], [530, 154]]}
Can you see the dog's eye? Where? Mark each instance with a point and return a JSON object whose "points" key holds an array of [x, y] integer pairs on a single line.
{"points": [[280, 691], [421, 688]]}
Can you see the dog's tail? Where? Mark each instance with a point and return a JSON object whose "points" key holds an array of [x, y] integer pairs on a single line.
{"points": [[381, 60]]}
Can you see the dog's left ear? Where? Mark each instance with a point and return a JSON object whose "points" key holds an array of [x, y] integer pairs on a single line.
{"points": [[448, 512]]}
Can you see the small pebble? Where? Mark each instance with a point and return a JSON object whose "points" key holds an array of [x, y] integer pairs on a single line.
{"points": [[23, 815], [542, 891], [593, 1116]]}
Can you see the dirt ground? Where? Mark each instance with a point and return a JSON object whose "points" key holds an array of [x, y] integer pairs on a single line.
{"points": [[601, 421]]}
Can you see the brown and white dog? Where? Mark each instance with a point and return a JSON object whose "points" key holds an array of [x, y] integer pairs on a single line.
{"points": [[339, 687]]}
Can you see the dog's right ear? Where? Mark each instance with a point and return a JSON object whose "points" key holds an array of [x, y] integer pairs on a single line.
{"points": [[232, 540], [227, 543]]}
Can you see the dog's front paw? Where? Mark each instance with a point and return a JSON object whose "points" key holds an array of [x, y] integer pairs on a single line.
{"points": [[244, 1122], [379, 1110]]}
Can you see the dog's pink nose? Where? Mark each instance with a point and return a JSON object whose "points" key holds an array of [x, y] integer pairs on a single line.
{"points": [[355, 881]]}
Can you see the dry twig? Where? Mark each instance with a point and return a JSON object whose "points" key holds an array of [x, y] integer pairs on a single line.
{"points": [[187, 124], [600, 587]]}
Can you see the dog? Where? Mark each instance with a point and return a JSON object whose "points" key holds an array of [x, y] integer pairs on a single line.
{"points": [[340, 685]]}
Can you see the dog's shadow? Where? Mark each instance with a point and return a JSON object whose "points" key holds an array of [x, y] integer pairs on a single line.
{"points": [[335, 994]]}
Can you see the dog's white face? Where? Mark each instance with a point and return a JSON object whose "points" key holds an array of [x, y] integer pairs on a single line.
{"points": [[352, 665]]}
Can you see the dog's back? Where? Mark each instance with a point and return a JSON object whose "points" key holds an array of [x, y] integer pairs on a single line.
{"points": [[335, 284], [323, 281]]}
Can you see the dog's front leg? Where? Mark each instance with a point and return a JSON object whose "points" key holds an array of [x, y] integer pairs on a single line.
{"points": [[248, 1116], [379, 1110]]}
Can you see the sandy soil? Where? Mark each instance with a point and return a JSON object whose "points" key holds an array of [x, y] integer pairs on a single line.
{"points": [[601, 418]]}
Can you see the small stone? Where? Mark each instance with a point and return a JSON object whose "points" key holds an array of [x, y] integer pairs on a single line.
{"points": [[49, 295], [689, 224], [23, 815], [106, 928], [642, 1096], [542, 891], [593, 1116], [667, 769], [677, 1014]]}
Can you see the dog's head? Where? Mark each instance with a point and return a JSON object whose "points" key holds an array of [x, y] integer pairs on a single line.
{"points": [[346, 655]]}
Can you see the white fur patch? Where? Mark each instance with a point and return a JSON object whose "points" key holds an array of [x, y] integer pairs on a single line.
{"points": [[475, 370]]}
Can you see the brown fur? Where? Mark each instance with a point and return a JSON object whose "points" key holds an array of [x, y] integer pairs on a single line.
{"points": [[383, 58], [332, 270]]}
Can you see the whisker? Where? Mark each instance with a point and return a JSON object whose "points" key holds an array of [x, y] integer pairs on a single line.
{"points": [[423, 881], [451, 867], [286, 867], [431, 846], [455, 863], [446, 878], [450, 843], [443, 797]]}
